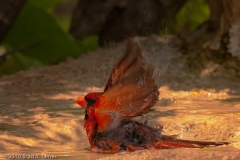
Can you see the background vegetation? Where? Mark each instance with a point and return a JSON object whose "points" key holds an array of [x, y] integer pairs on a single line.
{"points": [[40, 35]]}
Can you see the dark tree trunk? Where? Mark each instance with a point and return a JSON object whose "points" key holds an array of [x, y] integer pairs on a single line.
{"points": [[222, 31], [9, 10], [89, 16], [112, 20], [215, 44]]}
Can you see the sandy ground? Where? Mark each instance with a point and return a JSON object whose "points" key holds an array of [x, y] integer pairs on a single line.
{"points": [[39, 116]]}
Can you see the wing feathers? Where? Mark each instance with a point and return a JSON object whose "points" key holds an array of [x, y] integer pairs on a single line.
{"points": [[131, 63], [130, 91]]}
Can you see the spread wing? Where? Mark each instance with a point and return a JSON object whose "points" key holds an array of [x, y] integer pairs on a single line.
{"points": [[130, 91]]}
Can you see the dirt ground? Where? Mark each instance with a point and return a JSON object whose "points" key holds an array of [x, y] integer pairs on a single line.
{"points": [[39, 115]]}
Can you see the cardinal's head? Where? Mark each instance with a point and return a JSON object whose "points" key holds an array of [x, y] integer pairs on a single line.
{"points": [[88, 100]]}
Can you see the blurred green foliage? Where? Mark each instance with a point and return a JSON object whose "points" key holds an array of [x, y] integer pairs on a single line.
{"points": [[39, 26], [192, 14], [50, 43], [48, 5]]}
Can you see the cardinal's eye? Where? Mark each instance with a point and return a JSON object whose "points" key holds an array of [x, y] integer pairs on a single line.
{"points": [[90, 101]]}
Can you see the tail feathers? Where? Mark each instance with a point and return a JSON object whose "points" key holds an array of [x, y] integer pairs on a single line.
{"points": [[168, 142], [175, 143]]}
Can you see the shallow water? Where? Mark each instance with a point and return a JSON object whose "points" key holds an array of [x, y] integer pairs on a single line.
{"points": [[193, 117], [38, 114]]}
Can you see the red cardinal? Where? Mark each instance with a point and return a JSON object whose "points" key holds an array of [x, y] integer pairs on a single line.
{"points": [[130, 92]]}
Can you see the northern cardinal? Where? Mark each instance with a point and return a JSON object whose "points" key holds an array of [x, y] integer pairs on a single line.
{"points": [[130, 92]]}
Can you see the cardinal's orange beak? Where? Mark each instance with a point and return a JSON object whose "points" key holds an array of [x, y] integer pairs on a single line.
{"points": [[81, 101]]}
